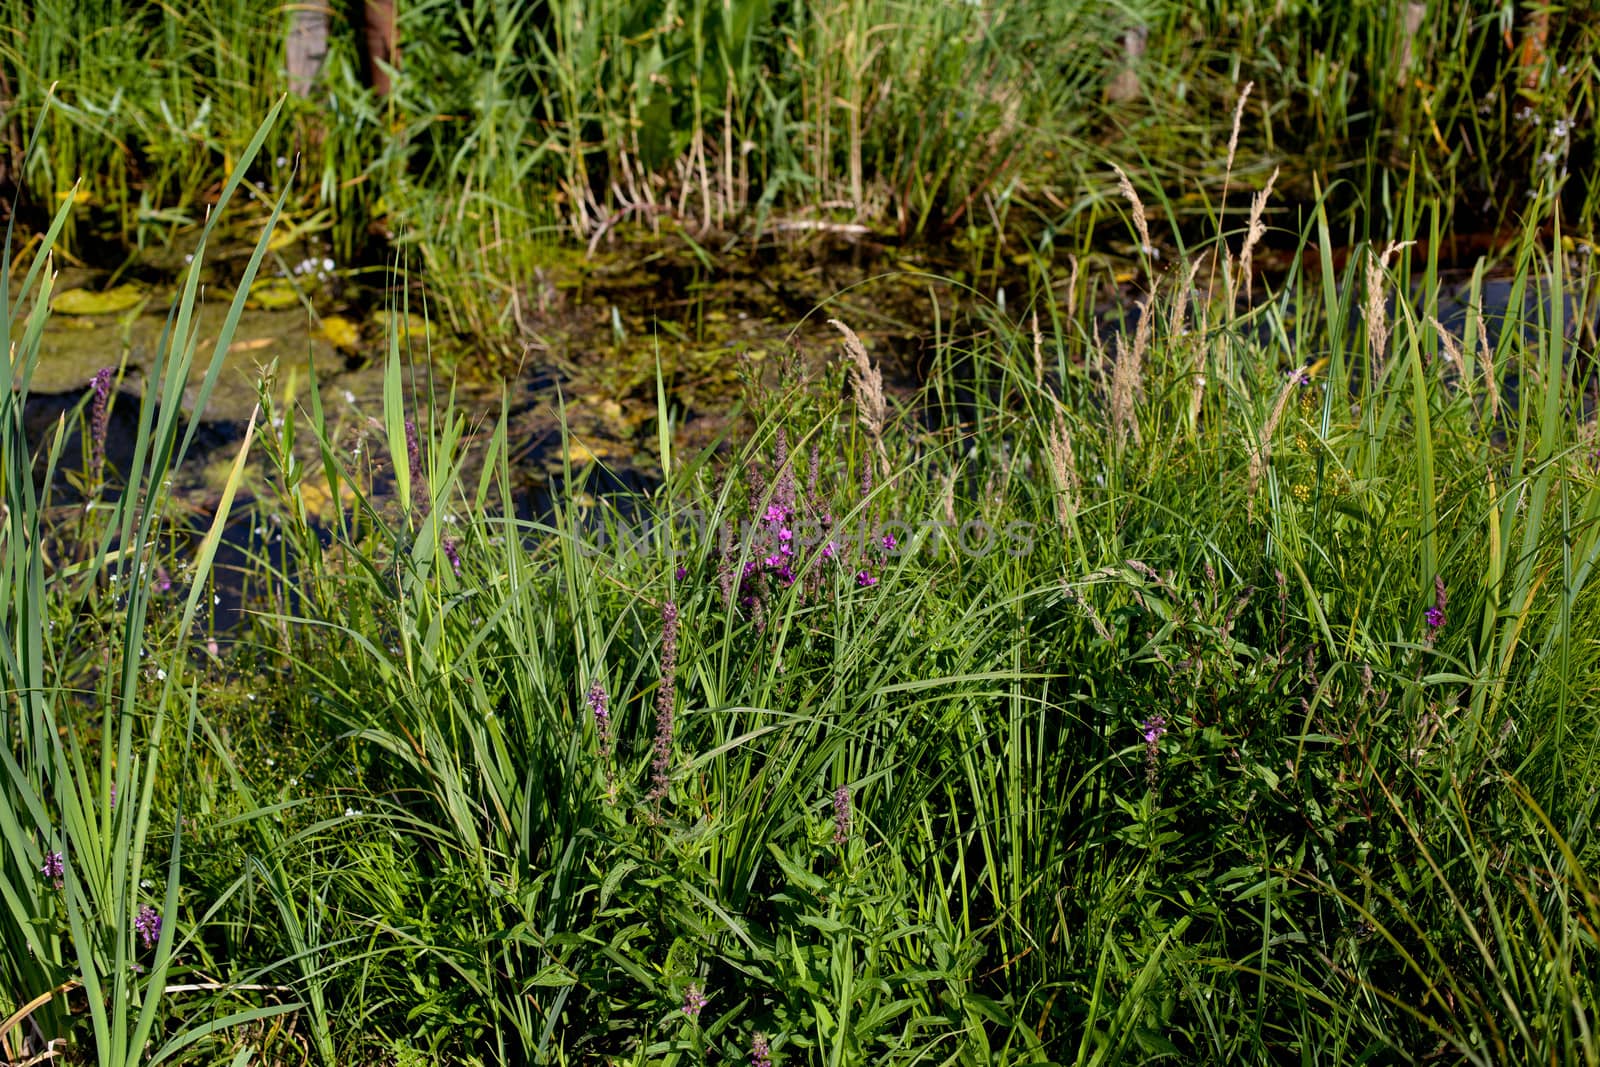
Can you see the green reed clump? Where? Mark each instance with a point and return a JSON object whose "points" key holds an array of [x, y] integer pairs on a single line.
{"points": [[1214, 689], [1225, 734], [1477, 106]]}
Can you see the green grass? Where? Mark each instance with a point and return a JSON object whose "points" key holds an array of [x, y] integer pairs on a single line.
{"points": [[1139, 745], [514, 126], [1173, 767]]}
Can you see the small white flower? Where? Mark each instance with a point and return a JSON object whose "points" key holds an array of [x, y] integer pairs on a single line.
{"points": [[161, 674], [351, 813]]}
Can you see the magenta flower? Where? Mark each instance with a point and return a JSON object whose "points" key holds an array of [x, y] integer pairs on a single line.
{"points": [[841, 815], [53, 869], [148, 925], [1153, 729], [760, 1051], [99, 416], [693, 1002], [666, 693], [452, 553], [599, 706], [1435, 616], [419, 474], [865, 579], [784, 491]]}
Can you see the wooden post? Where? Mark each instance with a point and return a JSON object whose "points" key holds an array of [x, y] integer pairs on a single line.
{"points": [[382, 38], [307, 47]]}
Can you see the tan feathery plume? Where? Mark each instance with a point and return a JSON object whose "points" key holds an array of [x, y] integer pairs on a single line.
{"points": [[1263, 452], [1233, 138], [1078, 599], [1227, 176], [1178, 319], [1140, 222], [1179, 328], [948, 496], [1097, 352], [1254, 232], [1064, 467], [1127, 378], [866, 381], [1452, 350], [1038, 354], [1376, 314], [1491, 380], [1072, 289]]}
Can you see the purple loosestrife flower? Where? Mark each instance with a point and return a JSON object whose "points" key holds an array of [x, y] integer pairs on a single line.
{"points": [[680, 574], [661, 766], [760, 1051], [53, 869], [419, 476], [148, 925], [693, 1002], [841, 815], [1153, 728], [1435, 615], [865, 579], [598, 705], [783, 489], [99, 416], [453, 554], [757, 486]]}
